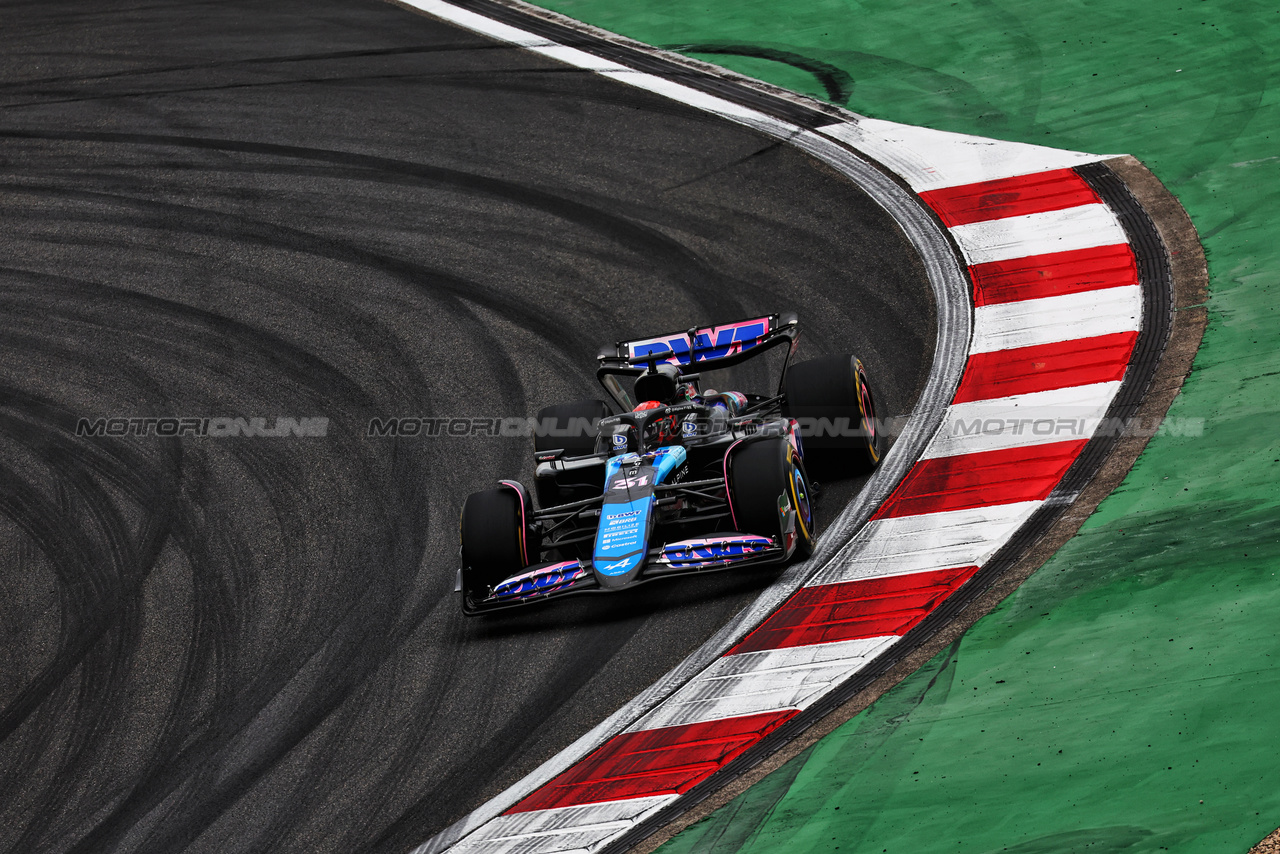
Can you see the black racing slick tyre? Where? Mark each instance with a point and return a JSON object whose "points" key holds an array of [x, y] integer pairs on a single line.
{"points": [[767, 476], [496, 538], [570, 427], [831, 398]]}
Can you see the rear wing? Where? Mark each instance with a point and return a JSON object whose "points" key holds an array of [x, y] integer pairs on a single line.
{"points": [[698, 349]]}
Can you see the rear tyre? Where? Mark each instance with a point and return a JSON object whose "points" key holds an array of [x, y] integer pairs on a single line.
{"points": [[832, 399], [766, 477], [573, 430], [496, 540]]}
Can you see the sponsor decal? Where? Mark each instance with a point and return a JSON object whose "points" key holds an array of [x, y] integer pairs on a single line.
{"points": [[631, 481], [620, 537], [715, 550], [541, 581], [712, 343]]}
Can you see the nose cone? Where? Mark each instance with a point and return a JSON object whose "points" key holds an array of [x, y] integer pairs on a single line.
{"points": [[620, 541]]}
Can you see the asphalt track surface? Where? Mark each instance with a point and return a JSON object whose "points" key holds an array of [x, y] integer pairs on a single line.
{"points": [[347, 210]]}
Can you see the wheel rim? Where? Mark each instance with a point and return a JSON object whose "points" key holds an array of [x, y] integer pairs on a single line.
{"points": [[868, 409], [800, 496]]}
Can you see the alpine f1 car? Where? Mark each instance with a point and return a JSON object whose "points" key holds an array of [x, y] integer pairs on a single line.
{"points": [[671, 477]]}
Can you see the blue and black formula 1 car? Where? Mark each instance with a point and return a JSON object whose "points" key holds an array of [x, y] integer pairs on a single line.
{"points": [[685, 479]]}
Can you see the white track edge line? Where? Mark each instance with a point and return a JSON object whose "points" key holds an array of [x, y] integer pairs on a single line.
{"points": [[950, 285]]}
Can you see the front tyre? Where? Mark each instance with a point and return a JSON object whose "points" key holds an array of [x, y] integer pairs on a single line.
{"points": [[766, 479], [496, 537], [832, 400]]}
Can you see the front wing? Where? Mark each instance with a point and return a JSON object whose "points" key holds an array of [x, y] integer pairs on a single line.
{"points": [[694, 556]]}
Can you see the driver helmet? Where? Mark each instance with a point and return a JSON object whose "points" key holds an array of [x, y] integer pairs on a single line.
{"points": [[660, 431]]}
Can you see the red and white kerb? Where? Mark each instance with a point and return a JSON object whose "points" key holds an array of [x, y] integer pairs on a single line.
{"points": [[1057, 310]]}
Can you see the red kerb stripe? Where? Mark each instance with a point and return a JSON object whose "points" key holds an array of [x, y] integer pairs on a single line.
{"points": [[666, 761], [1054, 274], [1006, 197], [1023, 370], [870, 608], [981, 480]]}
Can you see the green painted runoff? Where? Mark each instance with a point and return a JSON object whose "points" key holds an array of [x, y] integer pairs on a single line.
{"points": [[1127, 697]]}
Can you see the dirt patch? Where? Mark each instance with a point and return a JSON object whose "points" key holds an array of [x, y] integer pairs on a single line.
{"points": [[1270, 845]]}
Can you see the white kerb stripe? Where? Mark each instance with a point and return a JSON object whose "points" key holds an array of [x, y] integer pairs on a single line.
{"points": [[1082, 227], [1051, 320], [561, 830], [768, 681], [590, 827], [1020, 420], [909, 544], [932, 159], [589, 62]]}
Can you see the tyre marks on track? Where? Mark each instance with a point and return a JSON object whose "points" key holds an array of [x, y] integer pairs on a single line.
{"points": [[251, 644]]}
